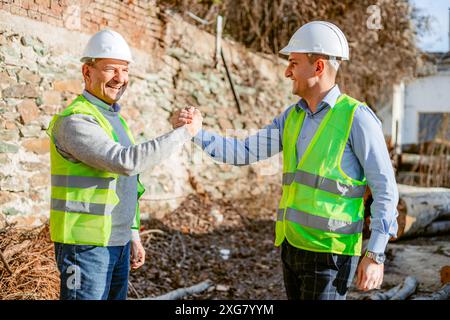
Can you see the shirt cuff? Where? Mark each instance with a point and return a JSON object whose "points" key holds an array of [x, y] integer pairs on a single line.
{"points": [[135, 235], [378, 242], [198, 138], [183, 133]]}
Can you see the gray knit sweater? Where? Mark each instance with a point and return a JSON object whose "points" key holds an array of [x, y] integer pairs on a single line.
{"points": [[80, 138]]}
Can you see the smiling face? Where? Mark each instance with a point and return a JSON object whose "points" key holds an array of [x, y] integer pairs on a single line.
{"points": [[107, 79], [302, 73]]}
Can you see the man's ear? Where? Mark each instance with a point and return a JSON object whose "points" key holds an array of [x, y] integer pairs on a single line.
{"points": [[320, 66], [86, 72]]}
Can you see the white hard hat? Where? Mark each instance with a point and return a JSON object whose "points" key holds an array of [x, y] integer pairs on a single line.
{"points": [[318, 37], [107, 44]]}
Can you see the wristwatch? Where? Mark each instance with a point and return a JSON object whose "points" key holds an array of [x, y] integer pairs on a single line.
{"points": [[377, 257]]}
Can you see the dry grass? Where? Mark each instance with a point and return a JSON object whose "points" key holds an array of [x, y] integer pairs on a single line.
{"points": [[29, 255]]}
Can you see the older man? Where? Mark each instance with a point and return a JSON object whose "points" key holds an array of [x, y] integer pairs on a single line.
{"points": [[333, 146], [95, 167]]}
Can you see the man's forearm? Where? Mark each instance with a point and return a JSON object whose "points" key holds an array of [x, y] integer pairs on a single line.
{"points": [[81, 138], [264, 144], [370, 148]]}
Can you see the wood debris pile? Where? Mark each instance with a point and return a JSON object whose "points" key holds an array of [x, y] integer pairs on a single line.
{"points": [[229, 243], [30, 271]]}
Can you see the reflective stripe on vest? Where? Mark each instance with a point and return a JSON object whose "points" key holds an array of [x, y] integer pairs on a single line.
{"points": [[83, 197], [321, 208], [317, 222], [325, 184], [82, 207], [82, 182]]}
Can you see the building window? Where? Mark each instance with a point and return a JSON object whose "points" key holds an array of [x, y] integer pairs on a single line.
{"points": [[434, 126]]}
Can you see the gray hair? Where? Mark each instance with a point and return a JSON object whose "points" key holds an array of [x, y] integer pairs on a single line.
{"points": [[89, 61]]}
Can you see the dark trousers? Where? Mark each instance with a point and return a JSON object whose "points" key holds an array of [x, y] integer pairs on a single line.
{"points": [[312, 275], [93, 273]]}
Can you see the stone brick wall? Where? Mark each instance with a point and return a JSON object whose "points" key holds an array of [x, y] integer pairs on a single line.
{"points": [[40, 74], [137, 18]]}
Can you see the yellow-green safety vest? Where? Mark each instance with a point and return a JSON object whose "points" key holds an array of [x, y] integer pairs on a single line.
{"points": [[321, 208], [82, 197]]}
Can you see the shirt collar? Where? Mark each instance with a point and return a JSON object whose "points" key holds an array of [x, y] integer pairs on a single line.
{"points": [[329, 100], [100, 103]]}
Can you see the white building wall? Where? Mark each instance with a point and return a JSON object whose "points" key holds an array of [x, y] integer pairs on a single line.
{"points": [[429, 94]]}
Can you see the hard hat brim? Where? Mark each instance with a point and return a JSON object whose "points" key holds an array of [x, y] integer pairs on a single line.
{"points": [[288, 50], [85, 59]]}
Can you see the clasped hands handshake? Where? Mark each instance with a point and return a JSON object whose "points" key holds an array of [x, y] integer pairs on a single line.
{"points": [[189, 117]]}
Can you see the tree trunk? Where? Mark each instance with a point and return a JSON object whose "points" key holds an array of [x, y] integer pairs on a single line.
{"points": [[442, 294], [419, 207]]}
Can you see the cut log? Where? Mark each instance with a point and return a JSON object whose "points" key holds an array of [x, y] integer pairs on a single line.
{"points": [[442, 294], [409, 286], [445, 274], [182, 292], [436, 228], [415, 159], [418, 207]]}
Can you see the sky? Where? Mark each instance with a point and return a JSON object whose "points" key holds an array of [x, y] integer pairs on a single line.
{"points": [[437, 39]]}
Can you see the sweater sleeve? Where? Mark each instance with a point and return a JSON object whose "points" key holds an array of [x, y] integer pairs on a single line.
{"points": [[80, 138]]}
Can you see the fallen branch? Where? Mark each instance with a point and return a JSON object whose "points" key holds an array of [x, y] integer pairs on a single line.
{"points": [[5, 263], [18, 248], [182, 292], [387, 295], [151, 231], [408, 288], [442, 294], [130, 285]]}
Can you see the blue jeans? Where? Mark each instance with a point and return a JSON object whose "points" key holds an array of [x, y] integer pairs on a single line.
{"points": [[90, 272]]}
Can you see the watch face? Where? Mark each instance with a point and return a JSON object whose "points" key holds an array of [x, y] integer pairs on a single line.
{"points": [[380, 258]]}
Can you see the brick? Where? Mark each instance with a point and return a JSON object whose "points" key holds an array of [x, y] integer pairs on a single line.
{"points": [[26, 4], [5, 196], [9, 135], [72, 86], [31, 131], [18, 11], [40, 180], [8, 147], [34, 15], [50, 109], [225, 124], [28, 76], [20, 91], [56, 9], [38, 146], [44, 4], [6, 80], [10, 125], [131, 113], [51, 97], [28, 111], [52, 20]]}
